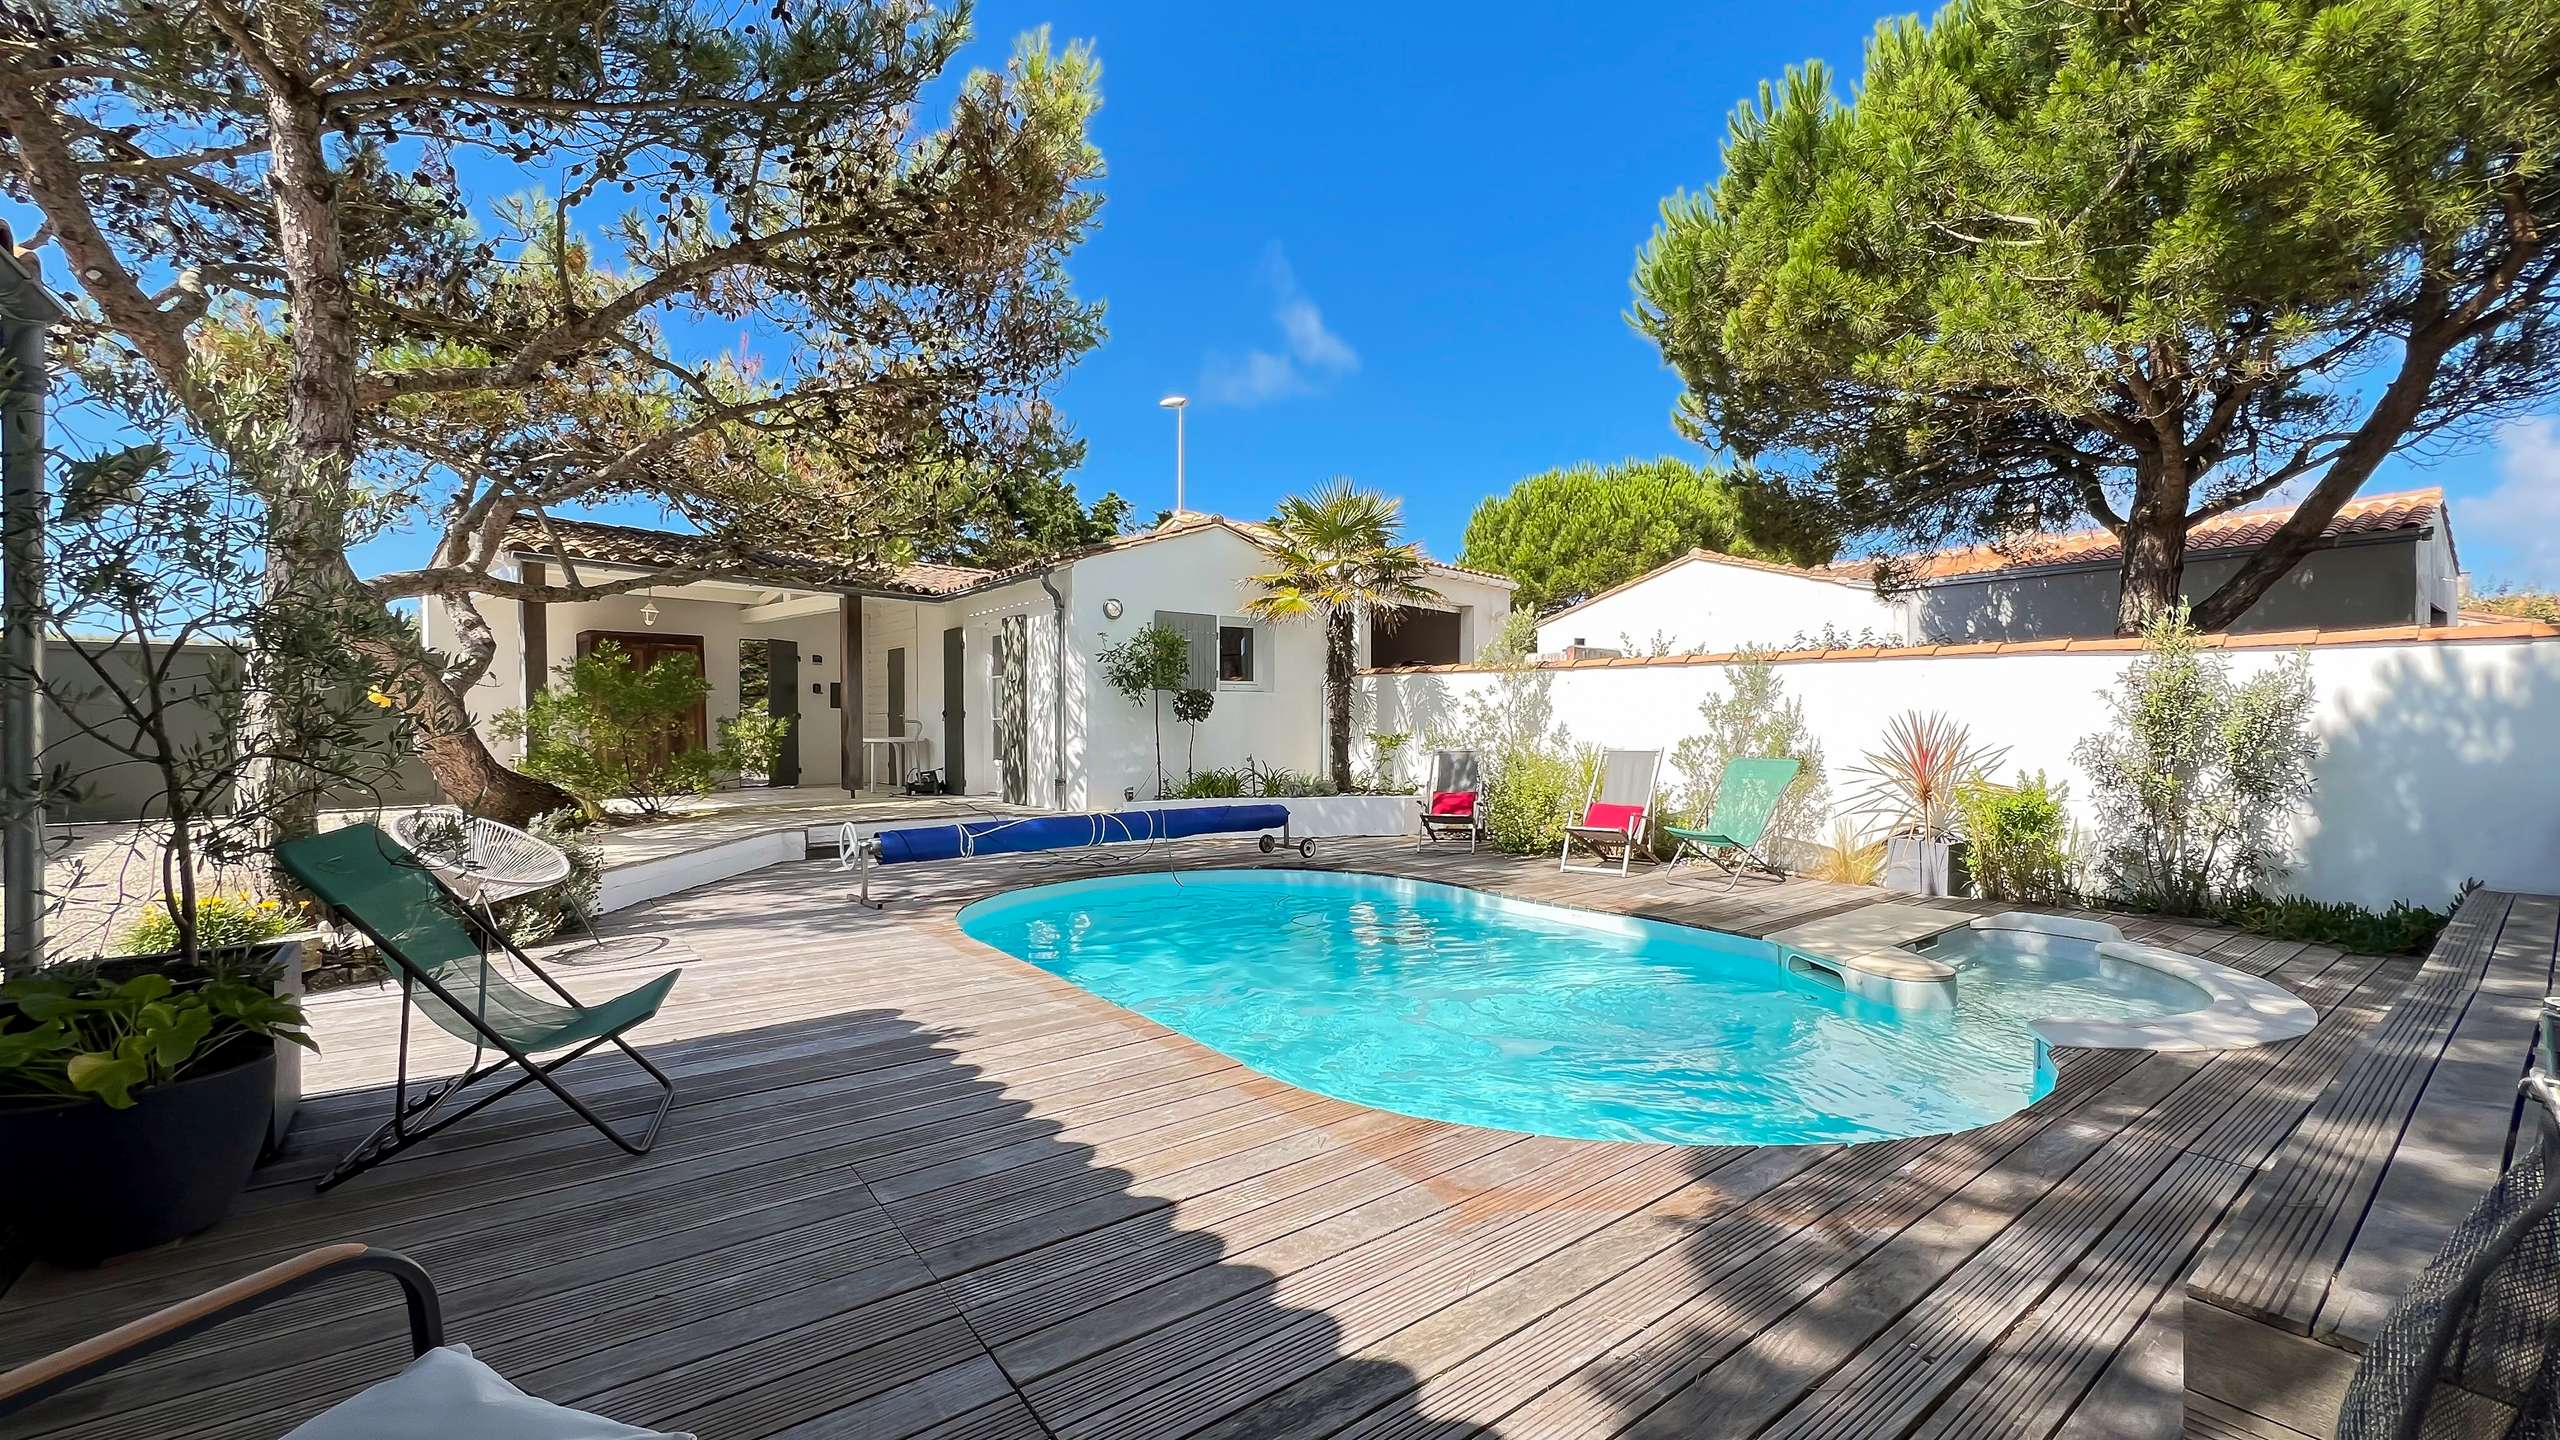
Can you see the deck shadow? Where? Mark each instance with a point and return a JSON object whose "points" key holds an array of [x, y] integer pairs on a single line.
{"points": [[849, 1227]]}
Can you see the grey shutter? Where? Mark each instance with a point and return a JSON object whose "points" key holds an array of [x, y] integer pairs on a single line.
{"points": [[1200, 633]]}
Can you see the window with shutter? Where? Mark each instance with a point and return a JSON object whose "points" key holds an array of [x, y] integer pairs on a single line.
{"points": [[1200, 634]]}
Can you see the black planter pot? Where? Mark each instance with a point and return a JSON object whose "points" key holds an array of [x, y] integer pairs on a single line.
{"points": [[90, 1182]]}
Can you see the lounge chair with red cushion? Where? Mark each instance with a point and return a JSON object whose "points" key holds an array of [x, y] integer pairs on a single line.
{"points": [[1453, 806], [1615, 813]]}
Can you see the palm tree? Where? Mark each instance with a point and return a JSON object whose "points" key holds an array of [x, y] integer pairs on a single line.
{"points": [[1335, 554]]}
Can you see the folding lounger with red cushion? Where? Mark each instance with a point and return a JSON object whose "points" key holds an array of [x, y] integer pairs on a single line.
{"points": [[1615, 813], [1455, 804]]}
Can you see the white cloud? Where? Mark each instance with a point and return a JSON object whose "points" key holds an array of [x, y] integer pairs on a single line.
{"points": [[1310, 352], [2521, 517]]}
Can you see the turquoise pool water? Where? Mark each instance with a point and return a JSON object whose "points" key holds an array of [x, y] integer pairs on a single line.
{"points": [[1439, 1001]]}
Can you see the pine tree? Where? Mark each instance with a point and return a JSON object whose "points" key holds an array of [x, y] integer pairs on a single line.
{"points": [[477, 262], [2145, 262]]}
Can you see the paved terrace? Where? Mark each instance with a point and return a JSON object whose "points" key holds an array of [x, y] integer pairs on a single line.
{"points": [[917, 1188]]}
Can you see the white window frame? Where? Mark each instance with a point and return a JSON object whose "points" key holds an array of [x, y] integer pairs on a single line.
{"points": [[1261, 651]]}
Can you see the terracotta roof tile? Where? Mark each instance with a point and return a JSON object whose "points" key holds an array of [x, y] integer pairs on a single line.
{"points": [[632, 546], [2281, 637], [2240, 530]]}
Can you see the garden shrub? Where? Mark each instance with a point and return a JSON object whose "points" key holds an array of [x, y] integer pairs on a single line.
{"points": [[1279, 782], [751, 743], [2198, 773], [223, 922], [2018, 839], [1212, 784], [602, 734], [1751, 718], [1532, 791], [2404, 929], [1849, 857]]}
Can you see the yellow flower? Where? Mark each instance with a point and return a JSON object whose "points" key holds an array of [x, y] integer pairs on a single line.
{"points": [[268, 905], [378, 698]]}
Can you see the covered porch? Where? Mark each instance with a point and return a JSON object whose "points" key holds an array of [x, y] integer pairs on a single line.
{"points": [[916, 684]]}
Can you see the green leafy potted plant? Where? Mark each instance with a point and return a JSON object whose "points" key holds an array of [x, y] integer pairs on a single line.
{"points": [[1912, 782], [144, 1084]]}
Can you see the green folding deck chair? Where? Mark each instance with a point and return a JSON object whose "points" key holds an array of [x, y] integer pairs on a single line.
{"points": [[442, 952], [1747, 796]]}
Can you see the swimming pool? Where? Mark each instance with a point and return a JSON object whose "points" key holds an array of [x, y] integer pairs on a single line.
{"points": [[1449, 1003]]}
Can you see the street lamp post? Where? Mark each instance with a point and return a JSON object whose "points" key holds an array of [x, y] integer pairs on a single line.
{"points": [[27, 311], [1177, 404]]}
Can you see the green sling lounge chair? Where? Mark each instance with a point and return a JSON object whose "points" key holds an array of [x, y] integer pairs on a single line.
{"points": [[441, 949], [1747, 796]]}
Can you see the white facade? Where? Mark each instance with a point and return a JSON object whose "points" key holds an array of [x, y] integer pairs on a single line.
{"points": [[2434, 750], [1706, 601], [1077, 744]]}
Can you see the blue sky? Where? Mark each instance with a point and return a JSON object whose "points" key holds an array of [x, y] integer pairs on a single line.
{"points": [[1394, 244]]}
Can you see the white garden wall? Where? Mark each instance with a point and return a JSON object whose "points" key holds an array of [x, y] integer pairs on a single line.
{"points": [[2441, 757]]}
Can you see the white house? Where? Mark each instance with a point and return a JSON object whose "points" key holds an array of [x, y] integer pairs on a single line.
{"points": [[960, 670], [1706, 600], [2383, 560]]}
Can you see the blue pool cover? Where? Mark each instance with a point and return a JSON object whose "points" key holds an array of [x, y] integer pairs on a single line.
{"points": [[1061, 832]]}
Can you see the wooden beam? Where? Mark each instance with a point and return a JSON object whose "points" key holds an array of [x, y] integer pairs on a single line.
{"points": [[849, 718], [537, 635], [796, 607]]}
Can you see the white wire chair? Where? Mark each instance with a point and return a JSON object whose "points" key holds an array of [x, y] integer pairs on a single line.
{"points": [[484, 861]]}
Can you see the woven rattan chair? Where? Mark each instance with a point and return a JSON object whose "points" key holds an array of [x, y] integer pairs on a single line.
{"points": [[2470, 1350], [484, 861]]}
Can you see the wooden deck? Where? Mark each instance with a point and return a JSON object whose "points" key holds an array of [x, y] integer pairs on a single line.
{"points": [[916, 1188], [2388, 1161]]}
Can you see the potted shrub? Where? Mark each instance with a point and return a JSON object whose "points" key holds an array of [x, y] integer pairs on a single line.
{"points": [[136, 1093], [1912, 782]]}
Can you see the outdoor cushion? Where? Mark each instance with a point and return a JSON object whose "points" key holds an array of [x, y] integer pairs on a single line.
{"points": [[1611, 817], [1454, 803], [445, 1394]]}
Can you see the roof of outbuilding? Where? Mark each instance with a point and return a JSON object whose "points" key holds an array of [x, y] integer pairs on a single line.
{"points": [[2239, 530]]}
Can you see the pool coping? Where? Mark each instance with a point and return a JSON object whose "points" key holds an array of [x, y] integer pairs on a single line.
{"points": [[2244, 1011]]}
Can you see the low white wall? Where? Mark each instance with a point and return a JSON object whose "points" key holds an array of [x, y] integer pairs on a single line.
{"points": [[1322, 816], [2438, 758], [641, 881]]}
